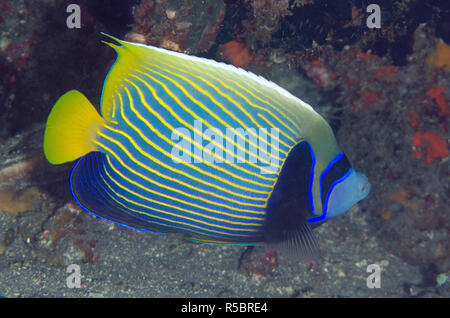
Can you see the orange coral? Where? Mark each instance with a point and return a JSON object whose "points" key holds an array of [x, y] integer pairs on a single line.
{"points": [[414, 120], [370, 96], [365, 56], [386, 214], [439, 97], [317, 63], [237, 53], [401, 196], [430, 146], [440, 57], [385, 72]]}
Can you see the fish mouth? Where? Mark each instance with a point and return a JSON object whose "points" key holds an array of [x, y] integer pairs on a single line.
{"points": [[366, 187]]}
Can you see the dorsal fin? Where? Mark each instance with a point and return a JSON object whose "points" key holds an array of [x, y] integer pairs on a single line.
{"points": [[126, 61]]}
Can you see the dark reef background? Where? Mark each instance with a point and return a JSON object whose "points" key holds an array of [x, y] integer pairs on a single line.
{"points": [[385, 92]]}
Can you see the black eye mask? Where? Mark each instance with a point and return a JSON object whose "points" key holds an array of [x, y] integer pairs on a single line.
{"points": [[336, 170]]}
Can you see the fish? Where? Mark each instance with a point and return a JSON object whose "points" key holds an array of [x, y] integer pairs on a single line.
{"points": [[185, 144]]}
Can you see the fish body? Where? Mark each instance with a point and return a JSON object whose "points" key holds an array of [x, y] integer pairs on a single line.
{"points": [[186, 144]]}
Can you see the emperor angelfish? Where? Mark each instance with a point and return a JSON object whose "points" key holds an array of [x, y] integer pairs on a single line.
{"points": [[186, 144]]}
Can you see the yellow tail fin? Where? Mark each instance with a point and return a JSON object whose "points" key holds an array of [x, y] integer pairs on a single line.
{"points": [[71, 127]]}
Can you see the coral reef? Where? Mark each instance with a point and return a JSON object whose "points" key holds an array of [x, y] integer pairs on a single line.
{"points": [[39, 61], [390, 90], [430, 146], [179, 25], [264, 21], [64, 238], [17, 202], [237, 53], [400, 114]]}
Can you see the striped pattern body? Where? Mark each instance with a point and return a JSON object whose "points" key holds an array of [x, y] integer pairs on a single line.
{"points": [[133, 180]]}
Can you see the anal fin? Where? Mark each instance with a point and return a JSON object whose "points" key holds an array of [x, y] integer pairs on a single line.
{"points": [[300, 243], [289, 232]]}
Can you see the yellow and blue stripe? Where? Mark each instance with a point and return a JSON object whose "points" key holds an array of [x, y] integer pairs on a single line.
{"points": [[127, 174]]}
